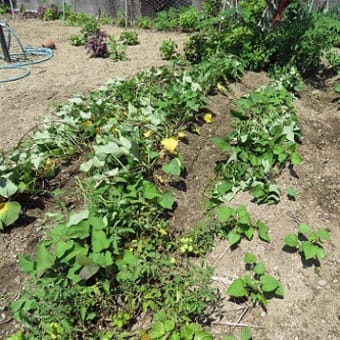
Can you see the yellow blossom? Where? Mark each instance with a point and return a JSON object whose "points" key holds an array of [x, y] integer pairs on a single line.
{"points": [[208, 117], [147, 134], [170, 144]]}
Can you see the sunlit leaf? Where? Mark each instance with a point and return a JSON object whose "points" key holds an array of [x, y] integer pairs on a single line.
{"points": [[167, 200], [99, 240], [9, 213], [250, 258], [45, 259], [76, 217], [259, 269], [305, 229], [27, 264], [262, 230], [224, 213], [245, 333], [233, 238], [7, 187], [323, 234], [291, 240], [174, 167], [292, 193], [237, 289], [295, 158], [309, 250], [150, 190], [269, 284]]}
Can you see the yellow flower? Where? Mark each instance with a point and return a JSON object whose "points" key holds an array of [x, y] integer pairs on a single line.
{"points": [[163, 232], [159, 179], [147, 134], [222, 89], [86, 124], [180, 134], [195, 129], [170, 144], [208, 117]]}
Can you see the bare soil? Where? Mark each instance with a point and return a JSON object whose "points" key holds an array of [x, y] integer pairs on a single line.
{"points": [[311, 306]]}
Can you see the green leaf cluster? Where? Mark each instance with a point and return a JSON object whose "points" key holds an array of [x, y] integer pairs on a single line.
{"points": [[235, 224], [308, 243], [259, 286], [262, 144]]}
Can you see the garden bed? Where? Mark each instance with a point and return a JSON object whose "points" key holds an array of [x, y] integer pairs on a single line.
{"points": [[311, 305]]}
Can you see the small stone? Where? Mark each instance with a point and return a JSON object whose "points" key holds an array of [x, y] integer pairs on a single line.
{"points": [[322, 283]]}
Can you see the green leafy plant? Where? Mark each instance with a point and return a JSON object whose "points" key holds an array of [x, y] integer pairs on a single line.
{"points": [[9, 209], [48, 13], [265, 139], [116, 51], [90, 28], [308, 243], [289, 77], [236, 224], [129, 38], [292, 193], [77, 40], [175, 166], [168, 49], [121, 20], [166, 20], [4, 8], [144, 22], [258, 287], [119, 246], [188, 19]]}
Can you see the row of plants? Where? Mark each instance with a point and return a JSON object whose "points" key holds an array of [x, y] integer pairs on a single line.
{"points": [[303, 38], [119, 252], [100, 44], [102, 268]]}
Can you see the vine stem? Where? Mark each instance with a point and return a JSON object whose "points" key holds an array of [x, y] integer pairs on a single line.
{"points": [[236, 324]]}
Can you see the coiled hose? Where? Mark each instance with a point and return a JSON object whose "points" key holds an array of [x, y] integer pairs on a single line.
{"points": [[20, 60]]}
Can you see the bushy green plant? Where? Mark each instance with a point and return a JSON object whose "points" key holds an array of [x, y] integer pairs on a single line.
{"points": [[77, 40], [4, 8], [144, 22], [264, 140], [76, 19], [129, 38], [121, 20], [168, 49], [188, 20], [90, 28], [116, 51], [166, 20]]}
